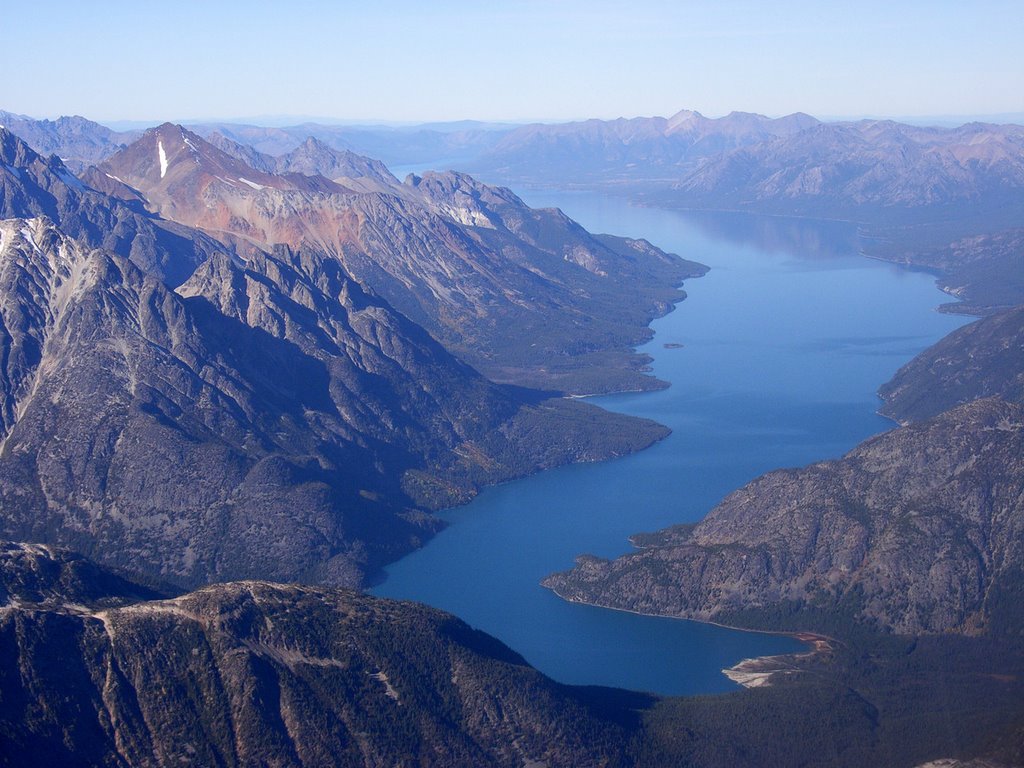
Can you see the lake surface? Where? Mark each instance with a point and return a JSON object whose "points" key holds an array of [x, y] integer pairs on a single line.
{"points": [[785, 342]]}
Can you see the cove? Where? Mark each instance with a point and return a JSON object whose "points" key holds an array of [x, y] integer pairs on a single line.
{"points": [[774, 360]]}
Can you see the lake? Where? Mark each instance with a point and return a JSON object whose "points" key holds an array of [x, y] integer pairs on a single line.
{"points": [[783, 346]]}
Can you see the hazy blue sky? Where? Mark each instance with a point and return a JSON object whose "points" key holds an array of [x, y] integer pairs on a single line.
{"points": [[446, 60]]}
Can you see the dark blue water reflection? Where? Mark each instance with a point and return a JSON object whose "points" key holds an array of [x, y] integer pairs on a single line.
{"points": [[785, 342]]}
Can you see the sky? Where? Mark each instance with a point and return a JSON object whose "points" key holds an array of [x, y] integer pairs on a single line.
{"points": [[434, 60]]}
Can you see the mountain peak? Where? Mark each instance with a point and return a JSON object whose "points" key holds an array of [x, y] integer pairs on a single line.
{"points": [[682, 117], [14, 152], [170, 155], [313, 143]]}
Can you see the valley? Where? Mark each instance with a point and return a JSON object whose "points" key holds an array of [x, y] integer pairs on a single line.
{"points": [[235, 353]]}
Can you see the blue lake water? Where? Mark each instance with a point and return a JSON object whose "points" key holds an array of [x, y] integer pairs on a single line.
{"points": [[785, 342]]}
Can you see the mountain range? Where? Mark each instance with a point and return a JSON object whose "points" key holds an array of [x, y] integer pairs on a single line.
{"points": [[254, 673], [77, 141], [240, 354], [944, 198], [267, 416], [525, 296], [610, 152], [915, 531]]}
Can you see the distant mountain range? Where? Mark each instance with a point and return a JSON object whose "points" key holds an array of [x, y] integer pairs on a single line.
{"points": [[77, 141], [950, 198], [610, 152]]}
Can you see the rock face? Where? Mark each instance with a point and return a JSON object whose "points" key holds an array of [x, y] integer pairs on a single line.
{"points": [[919, 530], [270, 419], [982, 359], [524, 296], [32, 186], [255, 673], [273, 419]]}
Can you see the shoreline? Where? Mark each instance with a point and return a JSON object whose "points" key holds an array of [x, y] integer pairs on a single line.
{"points": [[751, 671], [816, 644]]}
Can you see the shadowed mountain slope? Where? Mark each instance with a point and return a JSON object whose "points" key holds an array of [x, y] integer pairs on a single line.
{"points": [[254, 673], [271, 420], [525, 296], [918, 530], [982, 359]]}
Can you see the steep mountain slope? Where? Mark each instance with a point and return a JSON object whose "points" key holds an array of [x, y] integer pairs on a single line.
{"points": [[919, 530], [984, 271], [525, 296], [255, 673], [272, 420], [31, 186], [982, 359]]}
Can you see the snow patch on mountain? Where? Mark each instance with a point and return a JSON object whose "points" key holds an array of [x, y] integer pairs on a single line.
{"points": [[71, 180], [163, 158], [26, 232], [252, 184]]}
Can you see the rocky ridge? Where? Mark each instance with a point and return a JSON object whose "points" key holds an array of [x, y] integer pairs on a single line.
{"points": [[983, 359], [77, 141], [525, 296], [255, 673], [915, 531], [32, 186], [270, 418]]}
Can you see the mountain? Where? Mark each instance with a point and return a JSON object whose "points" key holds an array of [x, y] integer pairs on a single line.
{"points": [[983, 359], [255, 673], [32, 186], [949, 199], [244, 152], [313, 158], [858, 168], [77, 141], [525, 296], [271, 419], [985, 272], [918, 530], [648, 149], [440, 144]]}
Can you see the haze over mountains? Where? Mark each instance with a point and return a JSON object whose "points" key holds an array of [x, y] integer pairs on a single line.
{"points": [[248, 353], [948, 198]]}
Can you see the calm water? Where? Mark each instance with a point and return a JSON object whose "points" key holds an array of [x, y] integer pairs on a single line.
{"points": [[785, 342]]}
